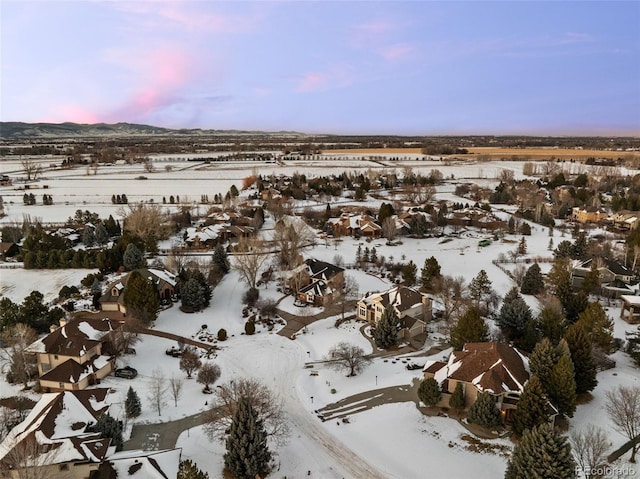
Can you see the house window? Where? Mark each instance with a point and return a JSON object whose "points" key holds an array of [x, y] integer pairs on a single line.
{"points": [[64, 467], [46, 367], [61, 385], [362, 312], [55, 356]]}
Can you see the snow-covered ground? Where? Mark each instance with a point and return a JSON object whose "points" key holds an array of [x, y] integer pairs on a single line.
{"points": [[390, 441]]}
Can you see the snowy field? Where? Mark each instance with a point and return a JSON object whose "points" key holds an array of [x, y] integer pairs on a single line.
{"points": [[388, 441]]}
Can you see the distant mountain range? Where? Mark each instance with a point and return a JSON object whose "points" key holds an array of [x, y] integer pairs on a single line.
{"points": [[18, 130]]}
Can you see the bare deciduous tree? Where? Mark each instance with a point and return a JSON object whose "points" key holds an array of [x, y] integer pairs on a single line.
{"points": [[449, 291], [290, 236], [31, 168], [176, 261], [19, 362], [249, 258], [157, 390], [589, 448], [175, 387], [208, 374], [347, 291], [348, 356], [190, 361], [623, 407], [144, 220], [267, 404], [389, 228]]}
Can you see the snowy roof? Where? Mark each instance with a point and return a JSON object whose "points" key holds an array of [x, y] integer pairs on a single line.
{"points": [[76, 337], [490, 366], [58, 424], [144, 464], [401, 298]]}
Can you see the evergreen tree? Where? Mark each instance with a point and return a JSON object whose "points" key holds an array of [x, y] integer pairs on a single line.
{"points": [[102, 235], [220, 260], [522, 246], [192, 295], [250, 327], [112, 226], [574, 305], [598, 326], [470, 328], [429, 392], [531, 408], [480, 288], [541, 361], [141, 298], [562, 386], [409, 272], [88, 236], [456, 401], [484, 411], [189, 470], [543, 453], [385, 333], [532, 283], [580, 246], [111, 428], [247, 452], [552, 323], [514, 315], [559, 279], [580, 347], [132, 405], [133, 258], [591, 281], [429, 272]]}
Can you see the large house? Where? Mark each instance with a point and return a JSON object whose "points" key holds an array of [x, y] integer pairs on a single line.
{"points": [[625, 220], [318, 282], [615, 278], [72, 357], [412, 308], [164, 281], [492, 367], [348, 224], [55, 437], [588, 214], [55, 442]]}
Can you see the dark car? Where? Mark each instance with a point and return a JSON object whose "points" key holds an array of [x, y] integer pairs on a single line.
{"points": [[173, 351], [413, 366], [126, 372]]}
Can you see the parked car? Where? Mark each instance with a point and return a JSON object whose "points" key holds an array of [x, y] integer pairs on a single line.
{"points": [[412, 366], [173, 351], [127, 372]]}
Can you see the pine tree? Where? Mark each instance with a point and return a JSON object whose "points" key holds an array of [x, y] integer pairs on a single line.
{"points": [[88, 236], [543, 453], [522, 246], [111, 428], [385, 333], [532, 283], [430, 271], [141, 298], [484, 411], [562, 386], [409, 272], [456, 401], [132, 405], [220, 259], [598, 326], [192, 295], [480, 288], [580, 347], [552, 323], [591, 281], [102, 235], [514, 315], [544, 357], [470, 328], [132, 258], [429, 392], [247, 452], [531, 409], [189, 470]]}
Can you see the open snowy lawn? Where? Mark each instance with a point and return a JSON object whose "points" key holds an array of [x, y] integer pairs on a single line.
{"points": [[16, 284]]}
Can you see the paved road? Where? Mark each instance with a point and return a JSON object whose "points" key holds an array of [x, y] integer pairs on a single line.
{"points": [[153, 437], [295, 323]]}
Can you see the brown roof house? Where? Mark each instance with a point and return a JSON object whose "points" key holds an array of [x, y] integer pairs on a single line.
{"points": [[319, 281], [54, 439], [413, 309], [72, 357], [113, 299], [492, 367]]}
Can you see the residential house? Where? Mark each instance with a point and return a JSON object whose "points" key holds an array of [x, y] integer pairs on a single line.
{"points": [[625, 220], [142, 465], [615, 278], [348, 224], [588, 214], [413, 309], [204, 237], [55, 440], [496, 368], [164, 281], [8, 250], [318, 282], [75, 355]]}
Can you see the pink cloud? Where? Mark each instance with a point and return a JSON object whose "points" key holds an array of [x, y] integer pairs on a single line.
{"points": [[72, 113], [338, 76], [312, 81], [397, 52]]}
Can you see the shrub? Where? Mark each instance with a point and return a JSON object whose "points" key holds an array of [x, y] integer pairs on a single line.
{"points": [[250, 327], [222, 334]]}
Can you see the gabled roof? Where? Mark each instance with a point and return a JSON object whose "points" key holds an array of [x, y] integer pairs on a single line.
{"points": [[72, 372], [321, 270], [490, 366], [59, 421], [613, 266], [160, 278], [318, 288], [143, 464], [76, 337], [400, 297]]}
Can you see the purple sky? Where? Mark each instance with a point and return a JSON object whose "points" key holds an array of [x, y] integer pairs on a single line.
{"points": [[328, 67]]}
